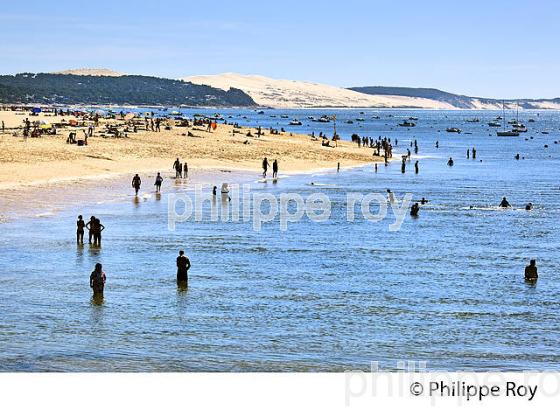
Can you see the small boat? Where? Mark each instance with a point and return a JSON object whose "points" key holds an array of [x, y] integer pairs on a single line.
{"points": [[295, 122], [311, 118], [407, 124], [349, 122], [453, 129], [376, 117], [324, 118], [284, 116], [510, 133], [531, 120], [519, 127], [494, 124], [473, 120], [360, 119], [504, 132], [260, 112], [413, 118]]}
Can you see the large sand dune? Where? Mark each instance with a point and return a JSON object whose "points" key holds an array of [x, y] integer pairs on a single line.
{"points": [[299, 94]]}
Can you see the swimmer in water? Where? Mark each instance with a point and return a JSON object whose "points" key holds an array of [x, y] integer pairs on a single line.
{"points": [[529, 206], [414, 209], [424, 201], [505, 203], [391, 196], [97, 280], [531, 271]]}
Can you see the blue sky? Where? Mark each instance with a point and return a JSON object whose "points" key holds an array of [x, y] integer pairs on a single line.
{"points": [[502, 49]]}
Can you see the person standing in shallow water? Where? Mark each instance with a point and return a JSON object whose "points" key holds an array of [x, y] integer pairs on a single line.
{"points": [[275, 169], [97, 280], [158, 182], [136, 182], [416, 167], [531, 271], [183, 266], [80, 230], [91, 228], [265, 166]]}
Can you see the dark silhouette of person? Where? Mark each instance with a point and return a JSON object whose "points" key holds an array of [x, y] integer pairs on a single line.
{"points": [[403, 166], [136, 182], [97, 229], [274, 169], [91, 228], [215, 190], [158, 182], [529, 206], [97, 280], [414, 209], [185, 170], [531, 271], [80, 230], [473, 153], [265, 166], [450, 162], [183, 266], [176, 166], [504, 203], [416, 168]]}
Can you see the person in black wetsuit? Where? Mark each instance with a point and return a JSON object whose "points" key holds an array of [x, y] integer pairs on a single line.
{"points": [[81, 229], [183, 266]]}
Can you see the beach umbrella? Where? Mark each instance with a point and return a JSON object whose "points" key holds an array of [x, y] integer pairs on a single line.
{"points": [[100, 112], [36, 110], [129, 116]]}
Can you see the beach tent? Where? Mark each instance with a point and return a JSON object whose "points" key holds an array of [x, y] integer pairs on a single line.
{"points": [[36, 110]]}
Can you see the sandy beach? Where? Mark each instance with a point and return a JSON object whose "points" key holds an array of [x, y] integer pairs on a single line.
{"points": [[47, 159]]}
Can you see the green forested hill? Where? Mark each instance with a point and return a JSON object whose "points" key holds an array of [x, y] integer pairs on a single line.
{"points": [[129, 89]]}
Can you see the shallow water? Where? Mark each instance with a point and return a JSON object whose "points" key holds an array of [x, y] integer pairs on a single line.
{"points": [[447, 288]]}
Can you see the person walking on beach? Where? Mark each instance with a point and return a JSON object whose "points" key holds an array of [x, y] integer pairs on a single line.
{"points": [[183, 266], [80, 230], [136, 182], [265, 166], [158, 182], [97, 280], [185, 170], [531, 271], [338, 167], [275, 169]]}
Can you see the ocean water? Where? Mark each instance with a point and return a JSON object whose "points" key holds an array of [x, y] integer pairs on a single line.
{"points": [[447, 288]]}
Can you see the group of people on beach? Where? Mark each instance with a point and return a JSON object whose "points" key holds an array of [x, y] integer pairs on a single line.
{"points": [[94, 227], [181, 170]]}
